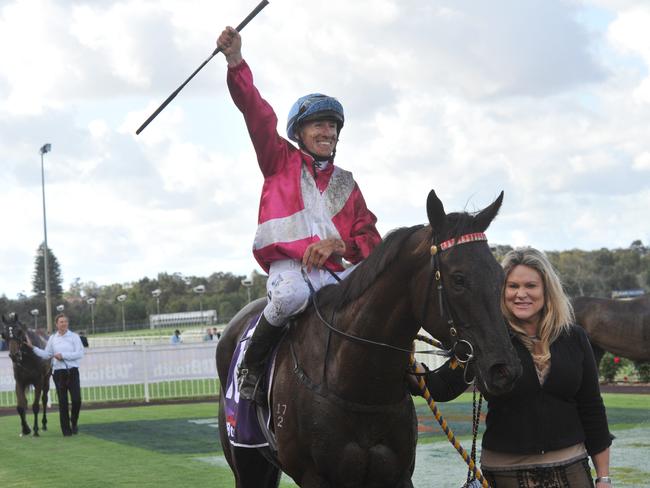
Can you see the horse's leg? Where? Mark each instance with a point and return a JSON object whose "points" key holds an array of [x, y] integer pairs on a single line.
{"points": [[21, 406], [36, 407], [252, 470], [45, 397], [249, 466]]}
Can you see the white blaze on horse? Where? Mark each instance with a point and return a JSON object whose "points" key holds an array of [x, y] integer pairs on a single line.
{"points": [[341, 411]]}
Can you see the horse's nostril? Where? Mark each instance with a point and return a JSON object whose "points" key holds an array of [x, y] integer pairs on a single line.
{"points": [[502, 369]]}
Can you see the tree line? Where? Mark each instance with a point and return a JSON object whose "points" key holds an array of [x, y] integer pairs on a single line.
{"points": [[583, 273]]}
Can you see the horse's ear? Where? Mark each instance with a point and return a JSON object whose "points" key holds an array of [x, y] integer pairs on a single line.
{"points": [[435, 212], [486, 216]]}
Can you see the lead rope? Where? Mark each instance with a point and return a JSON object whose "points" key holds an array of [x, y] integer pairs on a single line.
{"points": [[443, 423], [476, 418]]}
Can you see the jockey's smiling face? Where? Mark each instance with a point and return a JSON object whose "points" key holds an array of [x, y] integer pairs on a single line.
{"points": [[319, 137]]}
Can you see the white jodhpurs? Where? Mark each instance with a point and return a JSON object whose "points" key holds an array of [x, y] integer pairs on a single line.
{"points": [[288, 291]]}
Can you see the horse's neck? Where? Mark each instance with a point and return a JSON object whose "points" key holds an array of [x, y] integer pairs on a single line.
{"points": [[36, 339], [362, 371]]}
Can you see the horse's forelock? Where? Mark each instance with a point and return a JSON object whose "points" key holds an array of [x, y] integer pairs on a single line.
{"points": [[460, 223]]}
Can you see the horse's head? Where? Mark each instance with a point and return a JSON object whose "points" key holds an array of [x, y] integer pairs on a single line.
{"points": [[464, 301], [14, 332]]}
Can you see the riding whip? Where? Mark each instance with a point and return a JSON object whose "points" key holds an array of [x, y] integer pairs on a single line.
{"points": [[243, 23]]}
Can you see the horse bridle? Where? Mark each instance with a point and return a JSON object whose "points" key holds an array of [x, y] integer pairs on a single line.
{"points": [[444, 306], [435, 275], [12, 336]]}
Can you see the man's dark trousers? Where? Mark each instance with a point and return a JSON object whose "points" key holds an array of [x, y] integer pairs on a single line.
{"points": [[67, 381]]}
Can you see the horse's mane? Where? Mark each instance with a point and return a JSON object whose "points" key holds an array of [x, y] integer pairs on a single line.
{"points": [[368, 270], [37, 340], [350, 289]]}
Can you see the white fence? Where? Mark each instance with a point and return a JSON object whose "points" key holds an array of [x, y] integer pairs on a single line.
{"points": [[135, 373], [145, 372]]}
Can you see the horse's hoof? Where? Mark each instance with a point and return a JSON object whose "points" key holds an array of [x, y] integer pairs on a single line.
{"points": [[36, 434], [44, 427]]}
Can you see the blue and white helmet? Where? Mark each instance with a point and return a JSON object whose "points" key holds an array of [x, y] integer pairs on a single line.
{"points": [[314, 106]]}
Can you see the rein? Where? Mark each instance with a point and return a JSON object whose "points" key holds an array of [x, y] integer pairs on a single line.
{"points": [[473, 470], [435, 275], [443, 302]]}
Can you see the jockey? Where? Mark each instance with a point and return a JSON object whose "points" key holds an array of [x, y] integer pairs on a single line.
{"points": [[312, 214]]}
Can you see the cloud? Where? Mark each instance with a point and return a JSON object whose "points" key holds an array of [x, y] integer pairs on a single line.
{"points": [[546, 100]]}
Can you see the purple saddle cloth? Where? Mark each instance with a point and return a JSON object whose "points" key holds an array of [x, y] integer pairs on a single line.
{"points": [[241, 416]]}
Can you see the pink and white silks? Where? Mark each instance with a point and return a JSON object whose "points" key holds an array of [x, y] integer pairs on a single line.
{"points": [[299, 205]]}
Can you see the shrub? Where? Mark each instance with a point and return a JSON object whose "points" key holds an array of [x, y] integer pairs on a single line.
{"points": [[643, 370], [609, 366]]}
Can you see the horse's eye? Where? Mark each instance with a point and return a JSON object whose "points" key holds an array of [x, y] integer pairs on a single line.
{"points": [[458, 280]]}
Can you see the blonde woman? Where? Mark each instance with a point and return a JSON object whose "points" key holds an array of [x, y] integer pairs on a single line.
{"points": [[540, 434]]}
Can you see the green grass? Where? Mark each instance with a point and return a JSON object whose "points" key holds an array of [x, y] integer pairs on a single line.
{"points": [[153, 446], [177, 445]]}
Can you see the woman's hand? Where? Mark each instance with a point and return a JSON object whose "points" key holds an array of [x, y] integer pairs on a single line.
{"points": [[412, 381]]}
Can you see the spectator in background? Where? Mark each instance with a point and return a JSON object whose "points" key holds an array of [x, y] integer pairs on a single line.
{"points": [[176, 338], [66, 350], [208, 335], [84, 339], [215, 334]]}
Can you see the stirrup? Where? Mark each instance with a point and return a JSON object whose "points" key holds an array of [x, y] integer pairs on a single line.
{"points": [[249, 385]]}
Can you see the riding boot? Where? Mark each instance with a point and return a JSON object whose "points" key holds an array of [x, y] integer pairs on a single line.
{"points": [[251, 368]]}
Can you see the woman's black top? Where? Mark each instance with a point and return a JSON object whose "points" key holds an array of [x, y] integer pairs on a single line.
{"points": [[532, 418]]}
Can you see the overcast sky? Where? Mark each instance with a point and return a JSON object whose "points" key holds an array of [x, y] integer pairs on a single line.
{"points": [[546, 100]]}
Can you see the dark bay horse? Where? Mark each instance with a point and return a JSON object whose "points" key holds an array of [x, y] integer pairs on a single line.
{"points": [[621, 327], [29, 369], [341, 411]]}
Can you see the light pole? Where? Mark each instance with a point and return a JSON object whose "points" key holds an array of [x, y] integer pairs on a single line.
{"points": [[48, 307], [200, 290], [156, 294], [60, 308], [91, 301], [248, 283], [34, 313], [121, 299]]}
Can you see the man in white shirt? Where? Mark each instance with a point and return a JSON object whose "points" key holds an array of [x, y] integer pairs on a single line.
{"points": [[66, 350]]}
